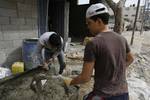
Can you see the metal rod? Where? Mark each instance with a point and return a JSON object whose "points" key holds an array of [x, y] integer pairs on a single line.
{"points": [[143, 18], [132, 38]]}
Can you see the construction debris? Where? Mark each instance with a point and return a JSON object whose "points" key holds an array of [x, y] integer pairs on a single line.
{"points": [[4, 72], [75, 56]]}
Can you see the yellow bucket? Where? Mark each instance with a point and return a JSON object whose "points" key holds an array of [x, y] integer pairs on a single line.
{"points": [[17, 67]]}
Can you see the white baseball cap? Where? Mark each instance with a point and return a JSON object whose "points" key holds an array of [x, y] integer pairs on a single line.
{"points": [[96, 9]]}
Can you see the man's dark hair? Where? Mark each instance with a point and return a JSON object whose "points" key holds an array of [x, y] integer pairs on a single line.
{"points": [[104, 17], [55, 40]]}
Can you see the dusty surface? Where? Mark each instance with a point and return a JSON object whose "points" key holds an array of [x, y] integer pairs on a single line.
{"points": [[53, 89], [139, 71], [138, 76]]}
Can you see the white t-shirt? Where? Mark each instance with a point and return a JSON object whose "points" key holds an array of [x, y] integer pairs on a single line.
{"points": [[45, 37]]}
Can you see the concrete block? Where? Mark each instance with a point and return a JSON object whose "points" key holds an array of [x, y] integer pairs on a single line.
{"points": [[8, 4], [35, 2], [12, 0], [8, 51], [34, 7], [8, 12], [2, 57], [35, 31], [1, 35], [32, 2], [0, 27], [28, 35], [11, 36], [6, 44], [26, 27], [25, 14], [31, 21], [11, 31], [34, 14], [4, 20], [10, 27], [17, 21], [35, 27], [25, 36], [13, 55], [34, 35], [20, 1], [24, 7], [28, 12], [17, 43]]}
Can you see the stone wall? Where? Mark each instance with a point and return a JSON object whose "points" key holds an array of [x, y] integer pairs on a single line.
{"points": [[18, 21]]}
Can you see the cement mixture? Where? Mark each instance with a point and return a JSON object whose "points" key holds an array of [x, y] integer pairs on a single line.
{"points": [[20, 88]]}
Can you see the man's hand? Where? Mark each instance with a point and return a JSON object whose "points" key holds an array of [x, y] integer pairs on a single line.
{"points": [[67, 80], [44, 66], [51, 60]]}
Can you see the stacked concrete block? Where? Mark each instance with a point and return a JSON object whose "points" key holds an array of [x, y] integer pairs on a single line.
{"points": [[17, 42], [8, 12], [31, 21], [5, 44], [3, 57], [11, 36], [18, 21], [9, 4], [1, 36], [4, 20]]}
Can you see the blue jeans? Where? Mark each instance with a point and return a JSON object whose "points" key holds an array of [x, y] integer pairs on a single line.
{"points": [[92, 96]]}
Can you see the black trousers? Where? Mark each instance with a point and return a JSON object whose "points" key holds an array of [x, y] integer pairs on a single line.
{"points": [[92, 96]]}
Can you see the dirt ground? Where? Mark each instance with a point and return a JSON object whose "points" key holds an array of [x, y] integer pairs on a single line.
{"points": [[139, 71]]}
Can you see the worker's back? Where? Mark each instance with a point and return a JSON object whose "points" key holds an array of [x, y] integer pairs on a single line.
{"points": [[110, 65]]}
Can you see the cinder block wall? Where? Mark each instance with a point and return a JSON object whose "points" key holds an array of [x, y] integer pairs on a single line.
{"points": [[18, 21]]}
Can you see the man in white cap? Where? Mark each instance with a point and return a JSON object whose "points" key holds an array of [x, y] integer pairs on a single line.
{"points": [[50, 45], [109, 54]]}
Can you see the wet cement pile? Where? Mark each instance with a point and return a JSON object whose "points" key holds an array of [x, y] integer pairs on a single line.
{"points": [[20, 88]]}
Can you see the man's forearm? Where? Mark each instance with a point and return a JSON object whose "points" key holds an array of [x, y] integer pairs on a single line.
{"points": [[79, 80], [86, 73], [128, 63], [129, 59]]}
